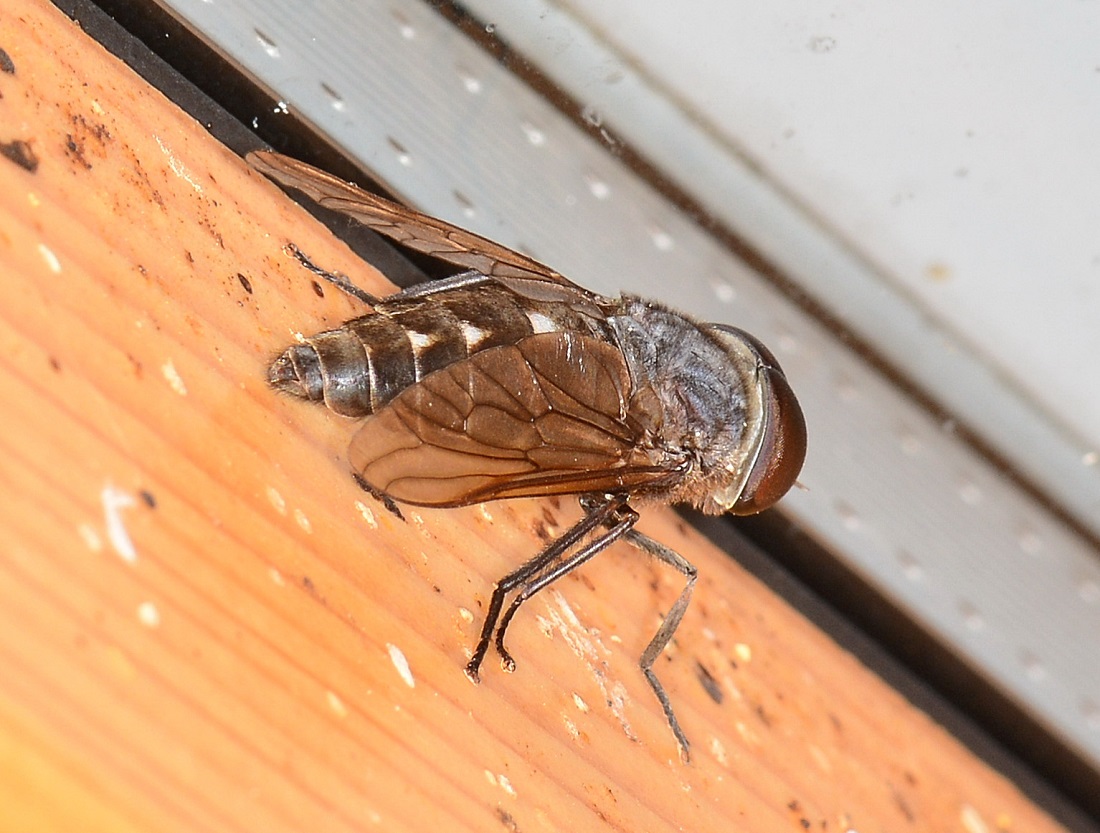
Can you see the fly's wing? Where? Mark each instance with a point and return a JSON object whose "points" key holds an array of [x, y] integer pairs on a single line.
{"points": [[404, 226], [547, 415]]}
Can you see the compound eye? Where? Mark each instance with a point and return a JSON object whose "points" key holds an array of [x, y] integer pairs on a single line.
{"points": [[782, 449]]}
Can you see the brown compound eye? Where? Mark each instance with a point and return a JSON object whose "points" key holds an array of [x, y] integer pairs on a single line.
{"points": [[782, 448]]}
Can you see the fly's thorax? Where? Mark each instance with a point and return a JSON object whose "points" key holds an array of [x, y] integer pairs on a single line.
{"points": [[358, 368], [705, 394]]}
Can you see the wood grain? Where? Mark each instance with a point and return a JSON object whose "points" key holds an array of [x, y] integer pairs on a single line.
{"points": [[203, 623]]}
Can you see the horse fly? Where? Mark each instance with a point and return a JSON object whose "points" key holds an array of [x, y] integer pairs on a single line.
{"points": [[508, 380]]}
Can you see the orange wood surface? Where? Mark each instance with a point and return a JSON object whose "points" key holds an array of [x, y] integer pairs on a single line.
{"points": [[205, 625]]}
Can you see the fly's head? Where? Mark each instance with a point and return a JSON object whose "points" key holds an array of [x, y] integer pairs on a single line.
{"points": [[764, 463]]}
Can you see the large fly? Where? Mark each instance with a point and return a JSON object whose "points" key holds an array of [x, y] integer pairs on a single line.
{"points": [[508, 380]]}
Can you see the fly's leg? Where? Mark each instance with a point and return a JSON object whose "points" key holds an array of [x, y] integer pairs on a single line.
{"points": [[553, 561], [469, 278], [341, 282], [668, 627], [619, 520]]}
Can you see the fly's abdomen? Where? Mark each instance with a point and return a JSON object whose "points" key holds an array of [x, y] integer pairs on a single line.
{"points": [[331, 367], [359, 367]]}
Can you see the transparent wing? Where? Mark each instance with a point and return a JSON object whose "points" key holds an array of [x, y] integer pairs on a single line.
{"points": [[405, 226], [547, 415]]}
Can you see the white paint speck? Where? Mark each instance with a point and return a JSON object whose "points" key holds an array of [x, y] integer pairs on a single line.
{"points": [[401, 664], [485, 513], [570, 727], [748, 735], [588, 647], [969, 492], [972, 820], [662, 240], [719, 752], [114, 501], [465, 615], [90, 537], [599, 188], [723, 291], [148, 614], [534, 134], [276, 577], [821, 759], [276, 500], [743, 652], [470, 83], [367, 514], [302, 521], [336, 704], [578, 701], [52, 262], [177, 166], [505, 784], [175, 381]]}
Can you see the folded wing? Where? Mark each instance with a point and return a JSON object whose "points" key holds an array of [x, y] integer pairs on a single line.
{"points": [[404, 226], [547, 415]]}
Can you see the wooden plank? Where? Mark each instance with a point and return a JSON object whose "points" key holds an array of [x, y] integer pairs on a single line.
{"points": [[205, 625]]}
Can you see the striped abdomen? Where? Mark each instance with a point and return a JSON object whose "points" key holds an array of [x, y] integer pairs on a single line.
{"points": [[363, 364]]}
